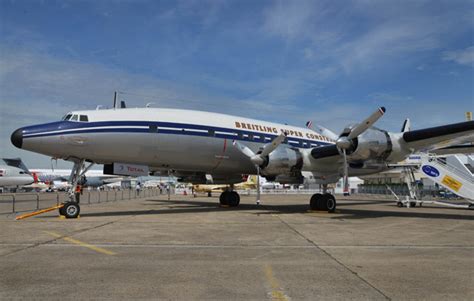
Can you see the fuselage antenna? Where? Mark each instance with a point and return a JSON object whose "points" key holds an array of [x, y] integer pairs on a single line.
{"points": [[149, 104]]}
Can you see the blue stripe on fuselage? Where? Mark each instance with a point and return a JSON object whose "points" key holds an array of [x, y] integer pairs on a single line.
{"points": [[51, 129]]}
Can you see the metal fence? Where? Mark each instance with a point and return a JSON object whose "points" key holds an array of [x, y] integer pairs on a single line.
{"points": [[23, 202]]}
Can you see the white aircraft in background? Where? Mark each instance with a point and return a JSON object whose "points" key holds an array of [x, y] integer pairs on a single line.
{"points": [[58, 178], [14, 177], [14, 174], [192, 144]]}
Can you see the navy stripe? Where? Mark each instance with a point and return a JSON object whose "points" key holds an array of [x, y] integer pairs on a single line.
{"points": [[82, 128]]}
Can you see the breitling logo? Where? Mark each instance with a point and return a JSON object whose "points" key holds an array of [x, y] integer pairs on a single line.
{"points": [[274, 130]]}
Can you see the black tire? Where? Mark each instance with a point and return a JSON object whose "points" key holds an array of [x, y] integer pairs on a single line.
{"points": [[224, 199], [71, 210], [233, 199], [412, 204], [329, 202], [314, 203], [400, 204], [209, 194]]}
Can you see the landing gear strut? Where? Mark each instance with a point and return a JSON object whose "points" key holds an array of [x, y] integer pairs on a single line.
{"points": [[71, 208]]}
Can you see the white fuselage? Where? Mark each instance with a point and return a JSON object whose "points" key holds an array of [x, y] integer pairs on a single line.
{"points": [[164, 139]]}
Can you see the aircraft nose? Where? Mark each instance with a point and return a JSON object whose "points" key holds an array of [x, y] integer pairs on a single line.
{"points": [[17, 138]]}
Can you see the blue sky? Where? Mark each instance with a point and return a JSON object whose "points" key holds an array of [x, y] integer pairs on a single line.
{"points": [[332, 62]]}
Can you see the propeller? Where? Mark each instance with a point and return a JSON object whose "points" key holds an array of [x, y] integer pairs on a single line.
{"points": [[344, 142], [259, 158]]}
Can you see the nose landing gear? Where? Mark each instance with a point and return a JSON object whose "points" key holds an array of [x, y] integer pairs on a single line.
{"points": [[71, 208]]}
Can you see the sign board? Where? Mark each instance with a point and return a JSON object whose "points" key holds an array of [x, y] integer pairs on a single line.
{"points": [[125, 169], [451, 183], [468, 116]]}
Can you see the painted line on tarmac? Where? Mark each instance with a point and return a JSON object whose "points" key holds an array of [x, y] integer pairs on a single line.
{"points": [[81, 243], [113, 245], [277, 293]]}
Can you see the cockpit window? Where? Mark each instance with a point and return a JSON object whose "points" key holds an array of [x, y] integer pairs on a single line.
{"points": [[83, 118], [73, 118], [67, 117]]}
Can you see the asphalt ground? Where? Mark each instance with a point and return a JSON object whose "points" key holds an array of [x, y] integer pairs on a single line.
{"points": [[192, 249]]}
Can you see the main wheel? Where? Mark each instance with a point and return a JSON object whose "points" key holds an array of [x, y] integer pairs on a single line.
{"points": [[315, 202], [328, 202], [233, 199], [224, 199], [229, 198], [71, 210]]}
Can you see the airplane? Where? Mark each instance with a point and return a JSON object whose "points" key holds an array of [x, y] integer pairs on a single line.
{"points": [[14, 177], [250, 183], [190, 144], [59, 177], [13, 173]]}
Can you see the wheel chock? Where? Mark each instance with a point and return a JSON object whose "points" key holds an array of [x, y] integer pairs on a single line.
{"points": [[38, 212]]}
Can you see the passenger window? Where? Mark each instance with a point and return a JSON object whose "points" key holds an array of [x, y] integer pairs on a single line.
{"points": [[251, 136], [212, 133], [74, 118], [153, 129], [83, 118]]}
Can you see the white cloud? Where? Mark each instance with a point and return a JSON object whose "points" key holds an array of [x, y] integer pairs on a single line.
{"points": [[289, 19], [462, 56]]}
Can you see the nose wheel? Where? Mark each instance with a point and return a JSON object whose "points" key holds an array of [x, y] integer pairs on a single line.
{"points": [[323, 202], [70, 210]]}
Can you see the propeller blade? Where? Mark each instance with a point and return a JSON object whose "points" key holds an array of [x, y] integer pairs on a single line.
{"points": [[273, 145], [406, 126], [244, 149], [368, 122], [346, 172]]}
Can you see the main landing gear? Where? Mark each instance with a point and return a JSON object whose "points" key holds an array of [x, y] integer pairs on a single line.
{"points": [[324, 202], [229, 198], [71, 208]]}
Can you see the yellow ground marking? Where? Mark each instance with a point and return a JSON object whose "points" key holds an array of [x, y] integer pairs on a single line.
{"points": [[277, 294], [80, 243], [38, 212]]}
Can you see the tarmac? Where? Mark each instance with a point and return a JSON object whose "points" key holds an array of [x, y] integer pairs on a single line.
{"points": [[192, 249]]}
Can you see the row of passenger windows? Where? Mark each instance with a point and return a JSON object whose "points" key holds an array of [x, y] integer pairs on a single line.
{"points": [[75, 117], [261, 138]]}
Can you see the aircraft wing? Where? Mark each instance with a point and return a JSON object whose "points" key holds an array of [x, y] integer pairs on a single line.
{"points": [[440, 137], [455, 149]]}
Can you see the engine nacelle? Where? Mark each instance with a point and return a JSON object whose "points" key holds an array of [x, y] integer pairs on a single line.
{"points": [[283, 160], [373, 144]]}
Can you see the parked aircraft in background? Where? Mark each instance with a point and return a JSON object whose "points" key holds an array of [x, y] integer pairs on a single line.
{"points": [[249, 183], [14, 177], [192, 144], [13, 173], [58, 178]]}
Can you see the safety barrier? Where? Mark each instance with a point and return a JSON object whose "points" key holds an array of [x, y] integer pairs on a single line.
{"points": [[24, 202]]}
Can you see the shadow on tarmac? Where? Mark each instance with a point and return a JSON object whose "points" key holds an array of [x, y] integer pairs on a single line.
{"points": [[187, 206]]}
